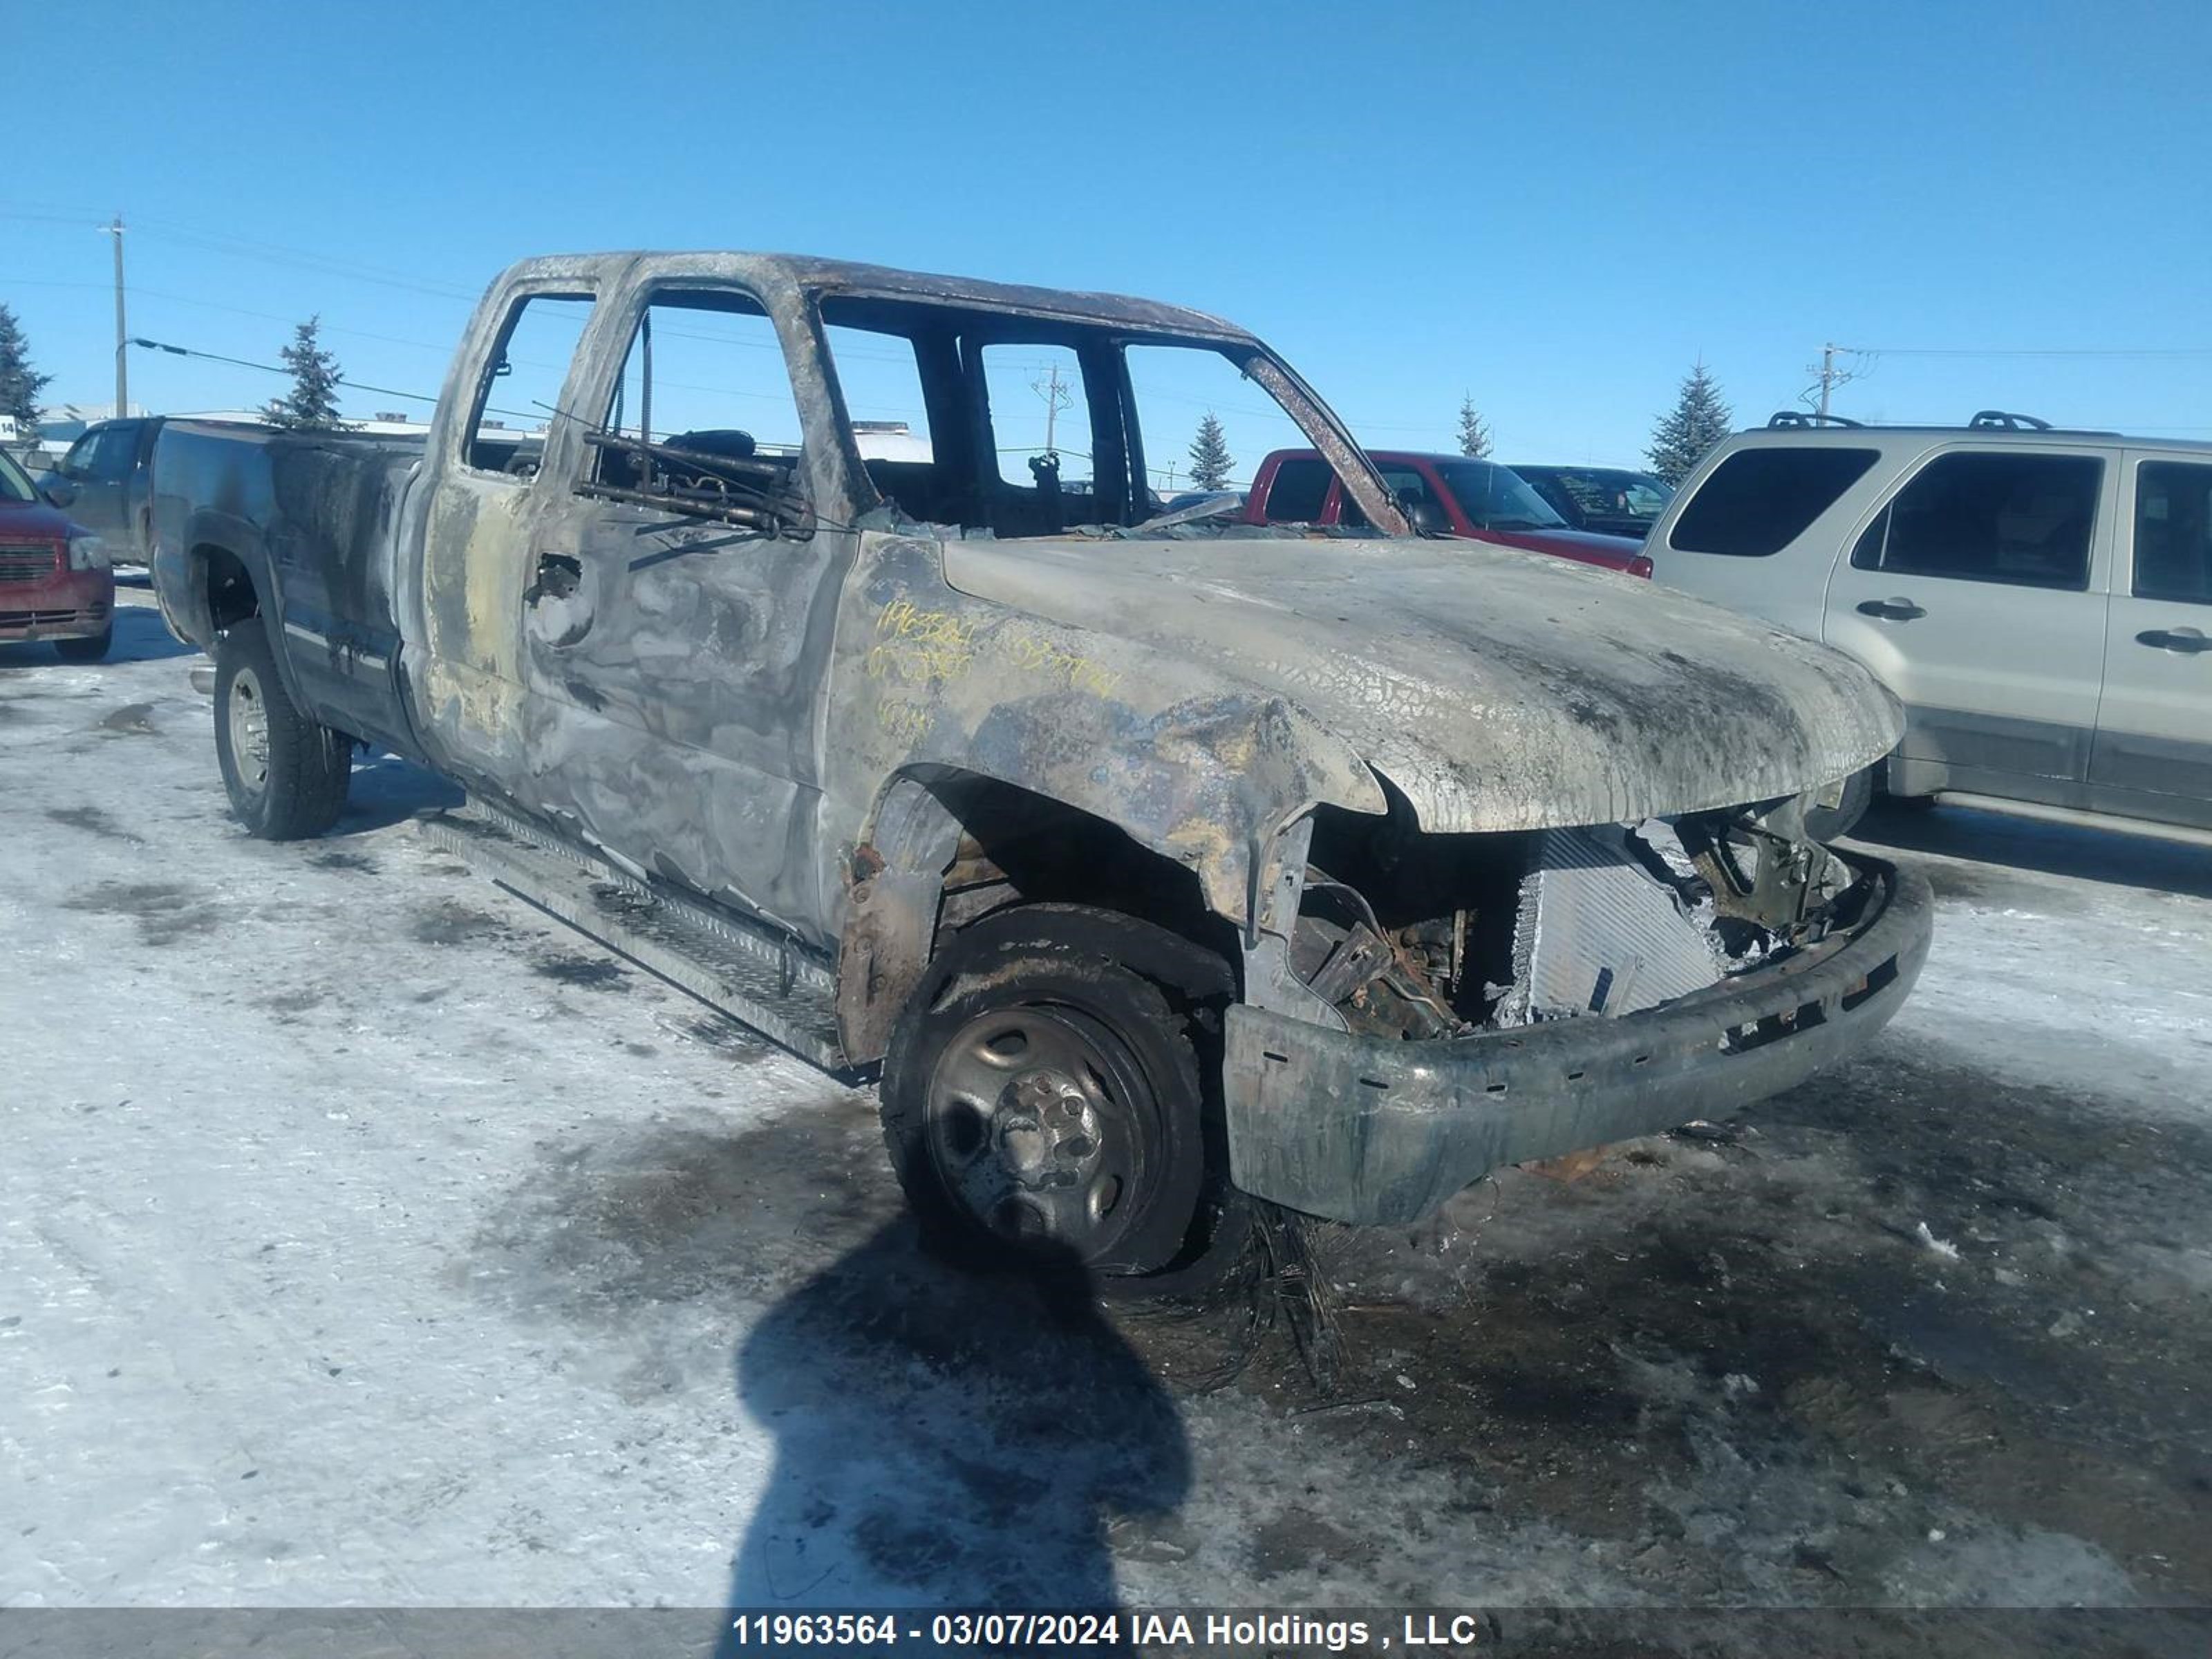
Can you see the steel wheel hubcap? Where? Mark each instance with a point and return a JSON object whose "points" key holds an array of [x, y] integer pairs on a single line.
{"points": [[1029, 1131], [249, 729]]}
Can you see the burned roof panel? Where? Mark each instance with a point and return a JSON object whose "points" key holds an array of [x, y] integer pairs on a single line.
{"points": [[849, 277]]}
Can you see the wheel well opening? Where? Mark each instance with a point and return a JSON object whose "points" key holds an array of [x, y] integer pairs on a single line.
{"points": [[951, 848], [1018, 848], [230, 595]]}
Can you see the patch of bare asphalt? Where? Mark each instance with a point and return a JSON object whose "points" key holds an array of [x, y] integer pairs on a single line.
{"points": [[605, 1229], [285, 1007], [589, 973], [132, 720], [448, 921], [92, 820], [165, 912]]}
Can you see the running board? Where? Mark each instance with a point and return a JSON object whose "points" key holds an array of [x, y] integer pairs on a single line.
{"points": [[756, 979]]}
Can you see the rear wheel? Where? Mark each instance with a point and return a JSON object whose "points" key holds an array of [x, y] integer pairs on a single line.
{"points": [[285, 774], [1044, 1097]]}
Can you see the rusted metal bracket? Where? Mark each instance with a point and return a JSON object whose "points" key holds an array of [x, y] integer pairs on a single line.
{"points": [[1778, 893], [1279, 879]]}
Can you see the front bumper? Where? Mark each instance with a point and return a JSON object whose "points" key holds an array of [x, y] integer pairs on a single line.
{"points": [[64, 604], [1370, 1131]]}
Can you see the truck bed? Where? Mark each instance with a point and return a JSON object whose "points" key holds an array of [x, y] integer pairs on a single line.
{"points": [[313, 518]]}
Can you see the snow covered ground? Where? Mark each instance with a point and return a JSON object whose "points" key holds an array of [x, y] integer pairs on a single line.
{"points": [[367, 1238]]}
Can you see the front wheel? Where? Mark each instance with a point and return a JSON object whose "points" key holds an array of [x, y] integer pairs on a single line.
{"points": [[1044, 1098], [286, 774], [93, 648], [1829, 821]]}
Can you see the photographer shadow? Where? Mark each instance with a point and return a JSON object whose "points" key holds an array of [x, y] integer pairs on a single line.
{"points": [[947, 1438]]}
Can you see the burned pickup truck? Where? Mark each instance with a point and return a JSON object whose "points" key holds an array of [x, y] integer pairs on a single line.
{"points": [[1160, 862]]}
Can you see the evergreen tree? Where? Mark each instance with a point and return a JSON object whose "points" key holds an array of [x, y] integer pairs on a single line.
{"points": [[1699, 419], [1209, 456], [1473, 430], [312, 402], [19, 385]]}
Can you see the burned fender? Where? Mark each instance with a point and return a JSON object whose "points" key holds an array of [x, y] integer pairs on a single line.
{"points": [[1190, 763], [1190, 767]]}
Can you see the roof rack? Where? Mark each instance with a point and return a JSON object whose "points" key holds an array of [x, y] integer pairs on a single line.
{"points": [[1985, 420], [1798, 417]]}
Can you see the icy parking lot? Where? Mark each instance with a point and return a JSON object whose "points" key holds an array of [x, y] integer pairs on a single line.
{"points": [[366, 1237]]}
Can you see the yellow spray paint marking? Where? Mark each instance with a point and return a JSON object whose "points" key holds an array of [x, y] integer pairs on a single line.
{"points": [[907, 722], [902, 619], [918, 664], [932, 647], [920, 648], [1036, 655]]}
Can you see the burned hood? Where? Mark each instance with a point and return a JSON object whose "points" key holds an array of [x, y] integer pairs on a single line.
{"points": [[1498, 689]]}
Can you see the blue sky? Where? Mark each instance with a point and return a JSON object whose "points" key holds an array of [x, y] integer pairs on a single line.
{"points": [[1557, 208]]}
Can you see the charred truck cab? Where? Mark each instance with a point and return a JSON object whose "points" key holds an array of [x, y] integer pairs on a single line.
{"points": [[1159, 861]]}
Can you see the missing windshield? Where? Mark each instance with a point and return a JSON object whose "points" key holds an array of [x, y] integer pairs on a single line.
{"points": [[1018, 426]]}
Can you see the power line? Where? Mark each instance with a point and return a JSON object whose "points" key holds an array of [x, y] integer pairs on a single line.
{"points": [[145, 293], [268, 253], [322, 264], [273, 368], [2031, 351]]}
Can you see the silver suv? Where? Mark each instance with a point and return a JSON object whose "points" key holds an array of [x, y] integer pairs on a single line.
{"points": [[2039, 599]]}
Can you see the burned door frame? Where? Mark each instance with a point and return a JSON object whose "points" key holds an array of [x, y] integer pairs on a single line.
{"points": [[459, 600], [674, 665]]}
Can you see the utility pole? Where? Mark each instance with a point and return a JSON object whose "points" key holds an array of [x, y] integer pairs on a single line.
{"points": [[1828, 377], [1057, 398], [122, 374]]}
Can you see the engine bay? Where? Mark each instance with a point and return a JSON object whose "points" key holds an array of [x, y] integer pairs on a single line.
{"points": [[1423, 936]]}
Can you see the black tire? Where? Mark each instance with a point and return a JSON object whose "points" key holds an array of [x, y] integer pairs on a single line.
{"points": [[95, 649], [295, 787], [1134, 1007], [1826, 823]]}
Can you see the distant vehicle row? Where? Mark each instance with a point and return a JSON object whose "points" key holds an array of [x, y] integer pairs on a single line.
{"points": [[1442, 494]]}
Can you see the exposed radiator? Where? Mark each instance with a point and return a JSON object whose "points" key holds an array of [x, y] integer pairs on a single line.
{"points": [[1596, 934]]}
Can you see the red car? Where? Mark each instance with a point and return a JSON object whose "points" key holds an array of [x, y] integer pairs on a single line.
{"points": [[55, 582], [1446, 495]]}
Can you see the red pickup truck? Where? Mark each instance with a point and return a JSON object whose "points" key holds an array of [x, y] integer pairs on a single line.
{"points": [[1448, 495]]}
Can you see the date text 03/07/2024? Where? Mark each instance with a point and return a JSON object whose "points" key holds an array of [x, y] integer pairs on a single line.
{"points": [[996, 1632]]}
